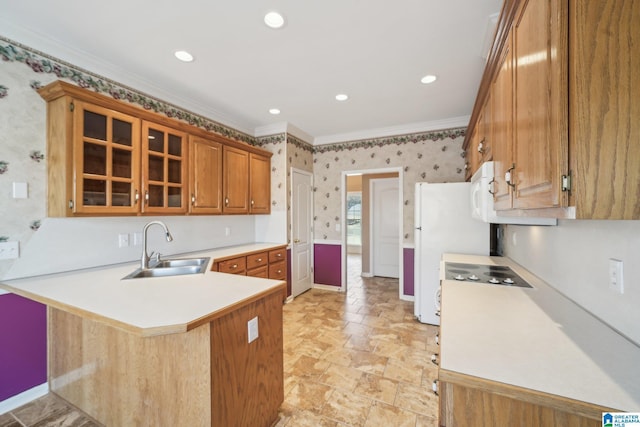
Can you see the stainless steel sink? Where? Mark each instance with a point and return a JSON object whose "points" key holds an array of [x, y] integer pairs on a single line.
{"points": [[171, 267], [185, 262]]}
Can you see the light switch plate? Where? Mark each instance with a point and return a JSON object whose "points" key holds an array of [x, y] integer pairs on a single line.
{"points": [[616, 282], [9, 250], [20, 190], [252, 327]]}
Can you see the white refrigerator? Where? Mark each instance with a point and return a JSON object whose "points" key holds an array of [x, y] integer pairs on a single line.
{"points": [[443, 223]]}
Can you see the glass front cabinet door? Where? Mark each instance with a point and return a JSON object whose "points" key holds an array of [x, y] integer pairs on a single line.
{"points": [[164, 172], [106, 161]]}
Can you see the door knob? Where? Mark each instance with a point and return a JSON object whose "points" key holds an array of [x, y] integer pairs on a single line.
{"points": [[296, 240]]}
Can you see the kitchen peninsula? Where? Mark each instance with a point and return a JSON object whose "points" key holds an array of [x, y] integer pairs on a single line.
{"points": [[164, 351]]}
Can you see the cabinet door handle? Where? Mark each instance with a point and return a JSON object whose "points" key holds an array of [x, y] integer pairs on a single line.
{"points": [[434, 387], [251, 202], [234, 266], [259, 259], [146, 197], [490, 189], [193, 199], [136, 197], [481, 147], [508, 176], [226, 201], [279, 255], [279, 271], [434, 359]]}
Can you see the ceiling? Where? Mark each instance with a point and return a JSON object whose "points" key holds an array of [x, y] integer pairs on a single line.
{"points": [[376, 51]]}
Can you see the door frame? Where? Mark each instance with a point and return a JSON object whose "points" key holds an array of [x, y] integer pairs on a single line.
{"points": [[343, 222], [290, 227]]}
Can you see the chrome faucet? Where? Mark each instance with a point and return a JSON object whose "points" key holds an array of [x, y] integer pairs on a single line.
{"points": [[144, 262]]}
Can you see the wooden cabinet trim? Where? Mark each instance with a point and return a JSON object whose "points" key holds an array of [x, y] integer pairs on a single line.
{"points": [[573, 406]]}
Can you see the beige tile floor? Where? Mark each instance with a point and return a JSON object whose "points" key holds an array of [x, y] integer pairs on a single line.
{"points": [[350, 359]]}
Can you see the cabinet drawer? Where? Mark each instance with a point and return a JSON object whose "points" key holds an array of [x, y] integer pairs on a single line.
{"points": [[234, 265], [259, 272], [257, 260], [277, 255], [277, 271]]}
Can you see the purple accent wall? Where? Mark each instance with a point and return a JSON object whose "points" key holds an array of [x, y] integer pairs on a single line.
{"points": [[327, 264], [407, 286], [23, 345]]}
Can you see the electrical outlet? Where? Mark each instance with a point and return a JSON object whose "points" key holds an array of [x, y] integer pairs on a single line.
{"points": [[616, 282], [123, 240], [252, 327], [9, 250], [137, 239]]}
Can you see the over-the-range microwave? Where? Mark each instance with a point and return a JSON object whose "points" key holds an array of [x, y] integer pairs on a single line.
{"points": [[482, 201]]}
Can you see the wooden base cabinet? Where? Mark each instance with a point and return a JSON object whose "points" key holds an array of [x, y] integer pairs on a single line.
{"points": [[473, 402], [208, 376]]}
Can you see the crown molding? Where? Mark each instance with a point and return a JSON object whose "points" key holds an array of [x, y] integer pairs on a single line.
{"points": [[411, 128]]}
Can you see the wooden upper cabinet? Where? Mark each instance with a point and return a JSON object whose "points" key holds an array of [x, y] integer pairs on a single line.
{"points": [[106, 161], [235, 181], [502, 144], [205, 180], [604, 109], [259, 184], [107, 157], [164, 169], [540, 126]]}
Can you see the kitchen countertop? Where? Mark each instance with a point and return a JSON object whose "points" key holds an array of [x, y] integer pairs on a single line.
{"points": [[148, 306], [535, 338]]}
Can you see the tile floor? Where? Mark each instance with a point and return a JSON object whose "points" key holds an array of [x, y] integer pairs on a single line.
{"points": [[350, 359]]}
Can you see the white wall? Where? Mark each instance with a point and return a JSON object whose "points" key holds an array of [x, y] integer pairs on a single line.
{"points": [[574, 258], [64, 244]]}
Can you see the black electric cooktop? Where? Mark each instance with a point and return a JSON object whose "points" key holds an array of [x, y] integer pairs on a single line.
{"points": [[489, 274]]}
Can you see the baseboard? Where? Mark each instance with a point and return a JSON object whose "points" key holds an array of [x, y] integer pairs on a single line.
{"points": [[327, 287], [365, 274], [404, 297], [23, 398]]}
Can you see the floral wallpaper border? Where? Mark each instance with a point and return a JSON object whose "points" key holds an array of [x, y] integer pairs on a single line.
{"points": [[397, 140], [299, 143], [274, 139], [42, 63]]}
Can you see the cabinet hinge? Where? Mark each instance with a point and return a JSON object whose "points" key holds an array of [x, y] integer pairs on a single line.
{"points": [[566, 182], [71, 106]]}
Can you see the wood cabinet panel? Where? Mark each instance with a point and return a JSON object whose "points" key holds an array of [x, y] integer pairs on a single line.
{"points": [[249, 375], [236, 265], [164, 169], [502, 99], [540, 73], [470, 401], [278, 271], [235, 181], [257, 260], [205, 179], [604, 108], [279, 254], [259, 184], [259, 272]]}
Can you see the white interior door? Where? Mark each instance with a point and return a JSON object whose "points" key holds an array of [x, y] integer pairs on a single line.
{"points": [[385, 227], [301, 220]]}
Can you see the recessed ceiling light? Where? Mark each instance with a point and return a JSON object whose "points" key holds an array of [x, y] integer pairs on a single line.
{"points": [[274, 111], [428, 79], [342, 97], [183, 56], [274, 20]]}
